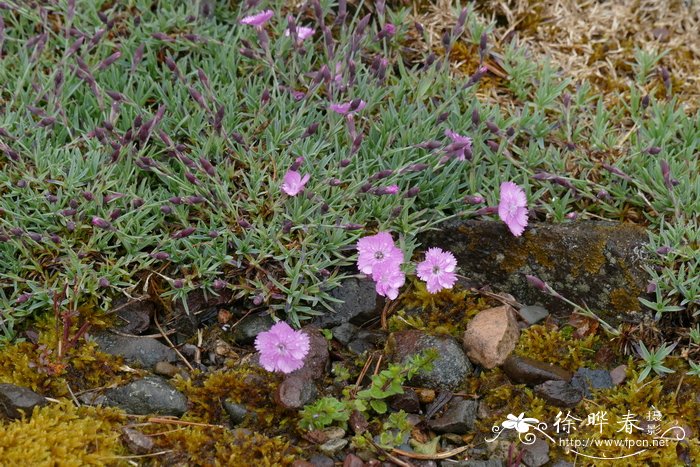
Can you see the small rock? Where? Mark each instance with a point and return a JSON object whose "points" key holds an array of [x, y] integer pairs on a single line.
{"points": [[149, 395], [408, 402], [359, 302], [319, 460], [133, 317], [524, 370], [586, 379], [459, 417], [333, 447], [351, 460], [316, 361], [345, 332], [143, 350], [533, 314], [450, 368], [426, 396], [536, 454], [249, 327], [618, 374], [360, 346], [18, 400], [302, 463], [559, 393], [491, 336], [236, 412], [295, 392], [137, 442], [334, 432], [165, 369]]}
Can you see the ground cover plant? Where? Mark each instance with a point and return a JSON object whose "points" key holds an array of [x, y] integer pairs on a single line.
{"points": [[160, 148]]}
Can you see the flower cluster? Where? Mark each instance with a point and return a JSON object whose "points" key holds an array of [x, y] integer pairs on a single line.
{"points": [[380, 258]]}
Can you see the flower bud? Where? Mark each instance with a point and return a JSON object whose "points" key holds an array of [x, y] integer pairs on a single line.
{"points": [[100, 223], [474, 199]]}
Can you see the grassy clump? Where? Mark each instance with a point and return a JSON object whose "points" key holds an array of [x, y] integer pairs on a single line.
{"points": [[109, 161]]}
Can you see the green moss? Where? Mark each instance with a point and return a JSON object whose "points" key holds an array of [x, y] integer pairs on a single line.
{"points": [[446, 312], [195, 445], [551, 345], [62, 434], [249, 386]]}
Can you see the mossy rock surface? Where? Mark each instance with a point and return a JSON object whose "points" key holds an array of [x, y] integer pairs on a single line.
{"points": [[596, 263]]}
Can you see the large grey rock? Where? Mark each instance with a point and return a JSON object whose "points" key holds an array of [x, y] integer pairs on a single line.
{"points": [[143, 350], [524, 370], [359, 302], [586, 379], [458, 417], [536, 454], [592, 262], [449, 369], [559, 393], [18, 400], [249, 327], [149, 395]]}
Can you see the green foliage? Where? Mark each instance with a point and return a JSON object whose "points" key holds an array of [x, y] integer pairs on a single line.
{"points": [[694, 368], [390, 382], [395, 430], [695, 335], [653, 360], [323, 413], [387, 383]]}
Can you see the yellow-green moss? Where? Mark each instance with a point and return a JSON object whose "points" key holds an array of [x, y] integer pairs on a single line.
{"points": [[195, 445], [445, 312], [62, 434], [551, 345], [250, 386]]}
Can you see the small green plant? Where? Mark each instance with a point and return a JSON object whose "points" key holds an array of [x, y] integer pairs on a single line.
{"points": [[695, 335], [330, 410], [694, 368], [654, 359], [396, 430], [323, 413], [389, 382]]}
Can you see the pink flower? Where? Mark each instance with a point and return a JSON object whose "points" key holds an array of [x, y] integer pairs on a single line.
{"points": [[303, 33], [282, 348], [461, 146], [512, 208], [438, 270], [344, 109], [293, 182], [258, 19], [389, 278], [375, 250]]}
